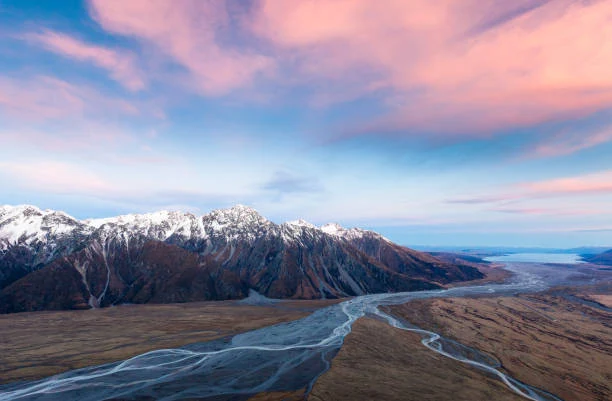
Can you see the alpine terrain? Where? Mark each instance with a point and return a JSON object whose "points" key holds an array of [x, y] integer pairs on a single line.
{"points": [[51, 261]]}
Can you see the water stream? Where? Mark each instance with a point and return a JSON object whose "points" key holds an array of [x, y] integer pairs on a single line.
{"points": [[282, 357]]}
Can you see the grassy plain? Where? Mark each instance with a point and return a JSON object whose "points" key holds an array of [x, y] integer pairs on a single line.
{"points": [[40, 344]]}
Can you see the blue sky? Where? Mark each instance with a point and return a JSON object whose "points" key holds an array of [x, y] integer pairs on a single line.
{"points": [[480, 123]]}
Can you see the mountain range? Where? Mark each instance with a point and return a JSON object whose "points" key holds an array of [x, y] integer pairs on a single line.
{"points": [[50, 260]]}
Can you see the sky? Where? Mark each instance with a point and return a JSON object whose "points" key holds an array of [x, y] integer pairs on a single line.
{"points": [[434, 122]]}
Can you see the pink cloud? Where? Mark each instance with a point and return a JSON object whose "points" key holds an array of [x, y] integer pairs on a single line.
{"points": [[57, 177], [54, 115], [43, 97], [599, 183], [568, 142], [549, 211], [482, 199], [120, 64], [82, 136], [194, 34], [471, 66], [527, 211], [468, 67], [49, 98], [596, 183]]}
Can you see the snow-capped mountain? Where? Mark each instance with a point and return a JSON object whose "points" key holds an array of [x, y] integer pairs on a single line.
{"points": [[28, 225], [49, 260], [31, 238]]}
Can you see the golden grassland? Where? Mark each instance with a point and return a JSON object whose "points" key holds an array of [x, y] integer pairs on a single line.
{"points": [[603, 299], [545, 340], [40, 344], [378, 362]]}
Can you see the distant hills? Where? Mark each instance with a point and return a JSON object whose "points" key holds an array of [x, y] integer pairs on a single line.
{"points": [[503, 250], [50, 261], [604, 258]]}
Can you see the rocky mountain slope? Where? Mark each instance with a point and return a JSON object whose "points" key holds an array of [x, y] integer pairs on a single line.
{"points": [[31, 238], [49, 260]]}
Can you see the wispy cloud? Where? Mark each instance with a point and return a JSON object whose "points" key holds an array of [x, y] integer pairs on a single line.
{"points": [[594, 230], [55, 177], [407, 58], [481, 199], [82, 136], [284, 183], [45, 97], [571, 141], [524, 211], [466, 68], [122, 65], [44, 112], [599, 183], [595, 183], [190, 34], [527, 211]]}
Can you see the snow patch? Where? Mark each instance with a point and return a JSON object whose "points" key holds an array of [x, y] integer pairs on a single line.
{"points": [[256, 298], [300, 223]]}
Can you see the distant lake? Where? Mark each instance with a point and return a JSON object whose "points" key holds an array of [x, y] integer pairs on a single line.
{"points": [[537, 258]]}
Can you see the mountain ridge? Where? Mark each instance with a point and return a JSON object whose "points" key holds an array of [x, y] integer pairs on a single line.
{"points": [[219, 255]]}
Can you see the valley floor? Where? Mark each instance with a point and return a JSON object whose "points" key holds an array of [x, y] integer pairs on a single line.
{"points": [[552, 341], [559, 341], [378, 362], [40, 344]]}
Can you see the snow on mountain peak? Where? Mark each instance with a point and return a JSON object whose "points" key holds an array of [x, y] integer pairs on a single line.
{"points": [[238, 211], [301, 223], [27, 224], [158, 217], [332, 229], [5, 210], [349, 233], [237, 222], [25, 211], [160, 225], [238, 214]]}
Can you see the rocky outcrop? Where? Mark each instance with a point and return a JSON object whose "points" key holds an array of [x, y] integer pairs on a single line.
{"points": [[109, 274]]}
